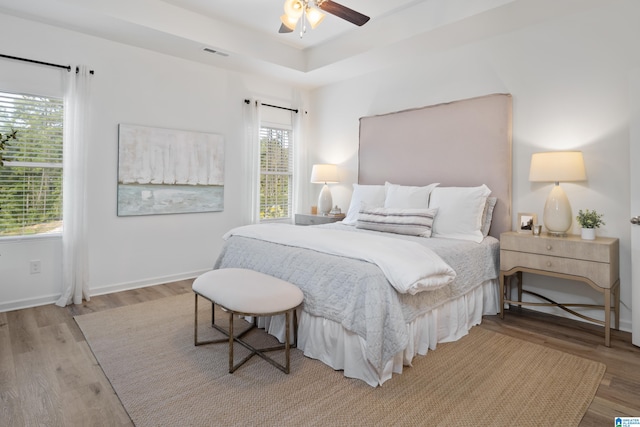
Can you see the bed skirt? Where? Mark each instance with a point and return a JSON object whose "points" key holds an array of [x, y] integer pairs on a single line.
{"points": [[329, 342]]}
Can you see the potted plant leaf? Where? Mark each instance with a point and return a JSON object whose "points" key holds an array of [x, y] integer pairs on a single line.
{"points": [[589, 220]]}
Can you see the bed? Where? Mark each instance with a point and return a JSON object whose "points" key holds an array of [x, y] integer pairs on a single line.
{"points": [[434, 183]]}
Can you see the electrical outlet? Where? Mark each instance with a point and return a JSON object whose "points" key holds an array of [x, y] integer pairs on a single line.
{"points": [[34, 266]]}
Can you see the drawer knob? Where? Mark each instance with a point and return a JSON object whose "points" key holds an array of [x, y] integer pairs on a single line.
{"points": [[548, 247], [548, 263]]}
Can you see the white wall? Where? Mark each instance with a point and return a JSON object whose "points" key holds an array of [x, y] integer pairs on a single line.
{"points": [[570, 84], [140, 87]]}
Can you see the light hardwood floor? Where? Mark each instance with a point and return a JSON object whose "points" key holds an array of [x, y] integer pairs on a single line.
{"points": [[49, 377]]}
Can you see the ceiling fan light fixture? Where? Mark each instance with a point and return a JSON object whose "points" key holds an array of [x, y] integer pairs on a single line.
{"points": [[289, 22], [311, 12], [293, 9], [314, 16]]}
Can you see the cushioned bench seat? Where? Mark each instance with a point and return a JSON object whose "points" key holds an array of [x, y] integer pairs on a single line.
{"points": [[248, 293]]}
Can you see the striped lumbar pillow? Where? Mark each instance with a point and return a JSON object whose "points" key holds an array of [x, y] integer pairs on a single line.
{"points": [[413, 222]]}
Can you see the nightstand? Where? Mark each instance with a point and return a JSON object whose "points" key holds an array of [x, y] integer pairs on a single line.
{"points": [[594, 262], [311, 219]]}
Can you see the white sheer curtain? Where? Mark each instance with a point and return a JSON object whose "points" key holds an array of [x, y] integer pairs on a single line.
{"points": [[300, 167], [75, 268], [251, 166]]}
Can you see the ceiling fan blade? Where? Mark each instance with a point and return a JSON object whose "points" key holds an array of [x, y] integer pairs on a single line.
{"points": [[343, 12], [284, 29]]}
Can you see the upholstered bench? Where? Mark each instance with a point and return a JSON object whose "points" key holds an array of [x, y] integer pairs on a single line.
{"points": [[244, 292]]}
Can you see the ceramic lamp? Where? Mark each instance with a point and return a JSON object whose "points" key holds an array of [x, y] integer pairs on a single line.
{"points": [[555, 167], [324, 174]]}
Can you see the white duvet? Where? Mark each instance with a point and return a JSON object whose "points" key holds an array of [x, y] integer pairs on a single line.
{"points": [[409, 267]]}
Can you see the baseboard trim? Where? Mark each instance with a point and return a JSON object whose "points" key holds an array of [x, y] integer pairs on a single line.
{"points": [[127, 286], [102, 290], [28, 303]]}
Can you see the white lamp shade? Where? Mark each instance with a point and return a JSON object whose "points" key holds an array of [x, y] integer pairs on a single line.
{"points": [[289, 22], [557, 166], [324, 174], [314, 16], [293, 8]]}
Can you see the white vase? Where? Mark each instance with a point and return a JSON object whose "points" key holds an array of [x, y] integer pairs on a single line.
{"points": [[588, 234]]}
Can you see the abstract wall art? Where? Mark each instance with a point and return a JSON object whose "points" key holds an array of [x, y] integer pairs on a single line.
{"points": [[165, 171]]}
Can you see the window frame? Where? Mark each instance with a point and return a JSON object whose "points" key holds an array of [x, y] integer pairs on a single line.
{"points": [[50, 129], [290, 173]]}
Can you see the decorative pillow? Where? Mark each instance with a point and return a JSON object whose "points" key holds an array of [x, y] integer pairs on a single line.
{"points": [[407, 197], [413, 222], [372, 195], [459, 211], [487, 215]]}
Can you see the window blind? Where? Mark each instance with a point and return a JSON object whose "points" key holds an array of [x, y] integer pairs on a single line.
{"points": [[31, 178], [276, 172]]}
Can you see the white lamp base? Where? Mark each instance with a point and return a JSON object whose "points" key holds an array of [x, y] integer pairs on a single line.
{"points": [[557, 215], [325, 201]]}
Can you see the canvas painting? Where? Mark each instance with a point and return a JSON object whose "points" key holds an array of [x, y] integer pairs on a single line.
{"points": [[164, 171]]}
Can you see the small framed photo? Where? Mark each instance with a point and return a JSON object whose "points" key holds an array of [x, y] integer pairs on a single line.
{"points": [[526, 221]]}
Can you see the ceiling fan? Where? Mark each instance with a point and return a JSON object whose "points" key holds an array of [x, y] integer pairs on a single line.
{"points": [[309, 11]]}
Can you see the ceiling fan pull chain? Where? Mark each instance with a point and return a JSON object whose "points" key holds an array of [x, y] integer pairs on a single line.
{"points": [[303, 27]]}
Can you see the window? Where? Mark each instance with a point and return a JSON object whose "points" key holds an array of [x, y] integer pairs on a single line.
{"points": [[276, 173], [31, 178]]}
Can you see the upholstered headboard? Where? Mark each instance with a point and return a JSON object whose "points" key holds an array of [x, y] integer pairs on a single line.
{"points": [[461, 143]]}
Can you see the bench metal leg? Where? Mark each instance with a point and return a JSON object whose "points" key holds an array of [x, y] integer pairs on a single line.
{"points": [[230, 338], [195, 328]]}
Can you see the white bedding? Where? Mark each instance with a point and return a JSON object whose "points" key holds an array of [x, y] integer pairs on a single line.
{"points": [[332, 344], [353, 326], [409, 267]]}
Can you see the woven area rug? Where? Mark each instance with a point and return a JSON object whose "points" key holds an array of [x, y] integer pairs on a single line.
{"points": [[484, 379]]}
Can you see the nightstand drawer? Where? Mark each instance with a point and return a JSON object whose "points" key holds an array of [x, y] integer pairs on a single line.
{"points": [[310, 219], [601, 274], [591, 250]]}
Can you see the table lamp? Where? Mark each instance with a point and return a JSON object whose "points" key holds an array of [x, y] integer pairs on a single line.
{"points": [[324, 174], [554, 167]]}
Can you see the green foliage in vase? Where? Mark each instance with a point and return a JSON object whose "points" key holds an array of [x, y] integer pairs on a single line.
{"points": [[589, 219]]}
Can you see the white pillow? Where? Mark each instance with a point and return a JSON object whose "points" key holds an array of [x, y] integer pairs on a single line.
{"points": [[459, 212], [407, 197], [371, 195], [412, 222]]}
